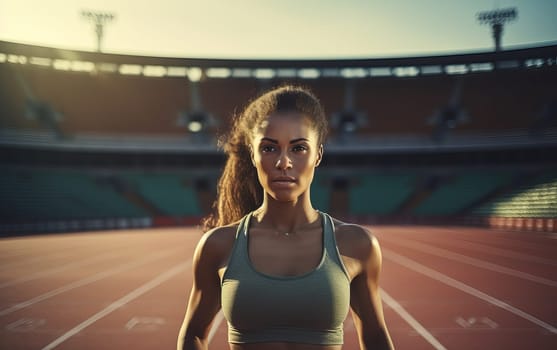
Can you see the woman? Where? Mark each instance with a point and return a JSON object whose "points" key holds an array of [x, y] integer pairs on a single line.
{"points": [[284, 273]]}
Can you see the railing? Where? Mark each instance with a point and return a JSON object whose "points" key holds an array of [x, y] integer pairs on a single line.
{"points": [[353, 144]]}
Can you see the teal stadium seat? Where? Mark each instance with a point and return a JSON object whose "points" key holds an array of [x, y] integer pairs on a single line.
{"points": [[462, 191], [380, 194], [535, 199], [169, 192], [30, 194]]}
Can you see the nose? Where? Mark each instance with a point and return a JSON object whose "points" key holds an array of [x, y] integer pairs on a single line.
{"points": [[283, 162]]}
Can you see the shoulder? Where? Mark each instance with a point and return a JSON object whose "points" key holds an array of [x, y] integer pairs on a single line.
{"points": [[357, 242], [215, 245], [354, 236]]}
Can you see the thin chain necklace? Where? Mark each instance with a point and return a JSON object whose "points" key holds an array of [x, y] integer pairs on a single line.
{"points": [[288, 234]]}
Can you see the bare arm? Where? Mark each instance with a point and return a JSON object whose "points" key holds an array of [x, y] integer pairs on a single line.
{"points": [[204, 301], [365, 300]]}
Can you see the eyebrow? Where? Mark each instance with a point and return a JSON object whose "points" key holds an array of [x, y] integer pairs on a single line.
{"points": [[291, 141]]}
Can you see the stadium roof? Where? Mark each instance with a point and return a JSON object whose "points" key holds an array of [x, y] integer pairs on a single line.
{"points": [[276, 29], [195, 68]]}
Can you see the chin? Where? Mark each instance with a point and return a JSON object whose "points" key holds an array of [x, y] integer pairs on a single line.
{"points": [[282, 197], [285, 197]]}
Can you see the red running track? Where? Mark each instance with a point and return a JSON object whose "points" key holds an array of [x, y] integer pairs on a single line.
{"points": [[443, 288]]}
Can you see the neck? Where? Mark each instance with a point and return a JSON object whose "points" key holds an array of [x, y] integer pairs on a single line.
{"points": [[286, 216]]}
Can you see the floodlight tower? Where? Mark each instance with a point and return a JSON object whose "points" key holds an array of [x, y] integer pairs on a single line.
{"points": [[496, 19], [99, 19]]}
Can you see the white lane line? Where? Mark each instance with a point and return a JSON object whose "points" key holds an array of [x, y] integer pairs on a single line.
{"points": [[501, 252], [84, 281], [393, 304], [476, 262], [119, 303], [216, 324], [416, 266], [55, 270], [36, 260]]}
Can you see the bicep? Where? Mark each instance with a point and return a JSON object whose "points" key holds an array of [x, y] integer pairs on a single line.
{"points": [[366, 304], [204, 298], [203, 304]]}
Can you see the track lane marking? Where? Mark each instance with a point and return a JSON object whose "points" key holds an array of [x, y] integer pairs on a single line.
{"points": [[436, 275], [476, 262], [55, 270], [155, 282], [36, 260], [498, 251], [422, 331], [83, 282], [37, 246]]}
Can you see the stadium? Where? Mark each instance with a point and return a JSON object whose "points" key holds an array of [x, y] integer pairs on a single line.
{"points": [[457, 149], [477, 130]]}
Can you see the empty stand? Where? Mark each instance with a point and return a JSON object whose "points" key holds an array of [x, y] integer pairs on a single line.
{"points": [[13, 99], [536, 198], [458, 192], [109, 103], [172, 193], [389, 169], [379, 194], [506, 100], [330, 92], [48, 194], [401, 105], [224, 98]]}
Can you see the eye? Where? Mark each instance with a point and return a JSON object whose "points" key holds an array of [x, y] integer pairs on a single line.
{"points": [[299, 148], [267, 148]]}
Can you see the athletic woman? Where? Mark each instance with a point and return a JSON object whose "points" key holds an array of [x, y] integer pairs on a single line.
{"points": [[284, 274]]}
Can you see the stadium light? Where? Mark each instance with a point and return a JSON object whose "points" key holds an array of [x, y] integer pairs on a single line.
{"points": [[99, 19], [197, 123], [496, 19], [195, 74]]}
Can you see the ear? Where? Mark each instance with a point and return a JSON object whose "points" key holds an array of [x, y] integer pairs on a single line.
{"points": [[319, 156]]}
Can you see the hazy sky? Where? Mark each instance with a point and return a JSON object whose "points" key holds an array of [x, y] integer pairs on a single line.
{"points": [[276, 28]]}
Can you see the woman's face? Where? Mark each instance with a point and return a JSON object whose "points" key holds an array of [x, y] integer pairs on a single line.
{"points": [[285, 151]]}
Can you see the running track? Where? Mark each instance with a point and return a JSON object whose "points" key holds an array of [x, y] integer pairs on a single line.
{"points": [[443, 288]]}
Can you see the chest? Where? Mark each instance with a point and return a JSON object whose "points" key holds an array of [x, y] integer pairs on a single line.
{"points": [[300, 285], [275, 283], [318, 300], [280, 255]]}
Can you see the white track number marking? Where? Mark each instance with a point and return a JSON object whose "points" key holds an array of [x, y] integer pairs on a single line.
{"points": [[25, 325], [476, 323], [145, 323]]}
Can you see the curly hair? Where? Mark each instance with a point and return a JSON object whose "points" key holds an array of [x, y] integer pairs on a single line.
{"points": [[238, 189]]}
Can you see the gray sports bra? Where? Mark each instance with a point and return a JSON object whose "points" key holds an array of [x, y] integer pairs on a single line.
{"points": [[309, 308]]}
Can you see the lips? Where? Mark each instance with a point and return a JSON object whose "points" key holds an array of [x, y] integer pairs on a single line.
{"points": [[284, 182], [284, 179]]}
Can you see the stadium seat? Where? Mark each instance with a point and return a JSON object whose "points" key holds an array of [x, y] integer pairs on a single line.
{"points": [[49, 194], [462, 190], [169, 192], [380, 194], [535, 199]]}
